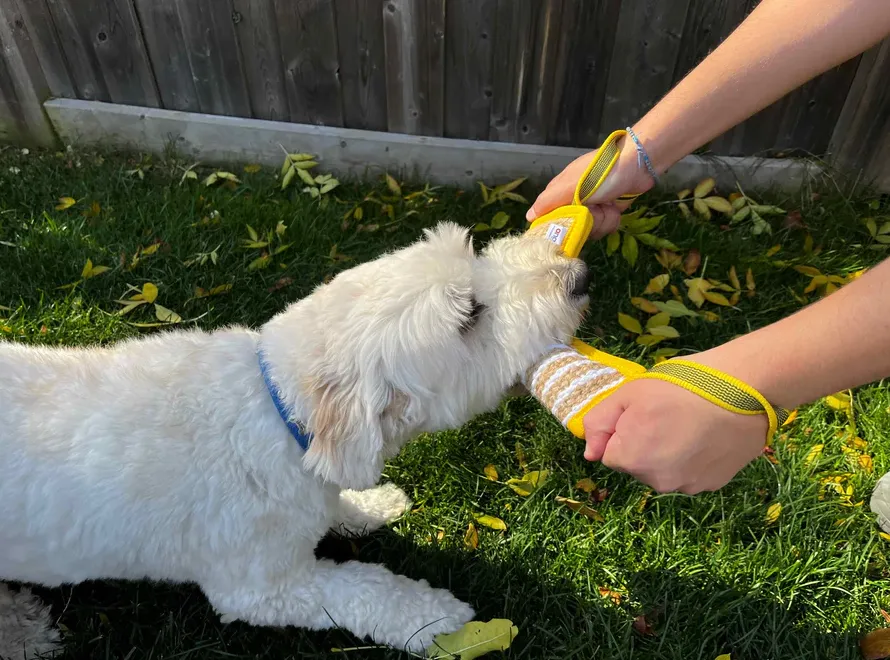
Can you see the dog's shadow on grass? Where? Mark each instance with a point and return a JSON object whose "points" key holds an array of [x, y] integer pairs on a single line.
{"points": [[690, 617]]}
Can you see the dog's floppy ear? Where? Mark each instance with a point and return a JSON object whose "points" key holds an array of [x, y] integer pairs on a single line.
{"points": [[348, 427]]}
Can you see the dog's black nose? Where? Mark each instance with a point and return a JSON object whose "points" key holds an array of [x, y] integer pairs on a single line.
{"points": [[581, 283]]}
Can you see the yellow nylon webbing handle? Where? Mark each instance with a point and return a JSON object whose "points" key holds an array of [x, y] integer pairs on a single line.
{"points": [[599, 168], [721, 389]]}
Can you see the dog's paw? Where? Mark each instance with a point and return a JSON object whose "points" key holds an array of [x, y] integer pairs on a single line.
{"points": [[363, 511], [446, 614], [388, 502]]}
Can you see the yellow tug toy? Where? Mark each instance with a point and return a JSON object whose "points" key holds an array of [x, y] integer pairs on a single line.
{"points": [[571, 379]]}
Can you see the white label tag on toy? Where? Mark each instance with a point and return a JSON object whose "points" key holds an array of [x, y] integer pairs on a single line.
{"points": [[556, 234]]}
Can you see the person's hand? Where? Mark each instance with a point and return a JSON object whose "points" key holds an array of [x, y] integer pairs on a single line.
{"points": [[626, 177], [671, 439]]}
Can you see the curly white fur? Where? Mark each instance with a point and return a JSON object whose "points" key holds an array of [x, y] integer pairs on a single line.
{"points": [[164, 457]]}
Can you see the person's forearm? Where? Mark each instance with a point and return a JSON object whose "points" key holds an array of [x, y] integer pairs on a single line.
{"points": [[780, 46], [840, 342]]}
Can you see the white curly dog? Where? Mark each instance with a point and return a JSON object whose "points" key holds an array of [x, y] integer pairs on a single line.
{"points": [[222, 458]]}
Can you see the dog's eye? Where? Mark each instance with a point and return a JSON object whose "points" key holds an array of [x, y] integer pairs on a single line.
{"points": [[476, 309]]}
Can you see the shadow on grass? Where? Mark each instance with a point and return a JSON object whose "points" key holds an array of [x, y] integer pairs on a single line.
{"points": [[692, 617]]}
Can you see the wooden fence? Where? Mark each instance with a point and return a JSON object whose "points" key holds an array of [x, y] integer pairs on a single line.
{"points": [[561, 72]]}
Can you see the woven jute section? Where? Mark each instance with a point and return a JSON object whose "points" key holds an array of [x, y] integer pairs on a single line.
{"points": [[564, 381]]}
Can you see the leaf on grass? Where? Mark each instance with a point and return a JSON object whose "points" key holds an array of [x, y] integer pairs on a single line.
{"points": [[491, 472], [716, 298], [165, 315], [613, 242], [725, 656], [89, 270], [718, 204], [696, 290], [773, 513], [649, 340], [520, 456], [644, 305], [866, 463], [471, 537], [642, 626], [692, 262], [499, 220], [657, 284], [490, 521], [669, 259], [749, 283], [684, 209], [704, 188], [665, 331], [260, 262], [876, 644], [773, 250], [614, 596], [630, 324], [473, 640], [393, 185], [662, 318], [529, 483], [149, 293], [842, 401], [683, 194], [586, 484], [734, 279], [65, 203], [813, 455], [663, 354], [581, 508], [630, 250], [702, 209], [252, 168], [675, 308]]}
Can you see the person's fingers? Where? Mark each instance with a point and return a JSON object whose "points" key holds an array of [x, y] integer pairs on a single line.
{"points": [[599, 425], [558, 193], [606, 218]]}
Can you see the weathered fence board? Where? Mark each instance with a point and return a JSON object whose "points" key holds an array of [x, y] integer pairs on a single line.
{"points": [[414, 41], [861, 139], [552, 72], [23, 87], [309, 50], [647, 46], [168, 51], [214, 56], [255, 25], [102, 43], [362, 63], [470, 27]]}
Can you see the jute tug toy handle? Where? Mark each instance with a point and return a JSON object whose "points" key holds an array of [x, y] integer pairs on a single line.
{"points": [[569, 380]]}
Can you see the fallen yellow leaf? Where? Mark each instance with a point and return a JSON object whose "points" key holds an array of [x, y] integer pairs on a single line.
{"points": [[813, 455], [657, 283], [491, 472], [866, 463], [586, 484], [490, 521], [473, 640], [65, 203], [842, 401], [614, 596], [716, 298], [471, 537], [630, 324], [529, 483], [773, 513], [734, 279]]}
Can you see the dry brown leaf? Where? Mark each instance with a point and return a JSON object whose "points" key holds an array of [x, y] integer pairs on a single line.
{"points": [[692, 262], [642, 626], [876, 644], [580, 507]]}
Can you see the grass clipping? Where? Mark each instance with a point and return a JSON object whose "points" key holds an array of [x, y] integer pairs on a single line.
{"points": [[475, 639]]}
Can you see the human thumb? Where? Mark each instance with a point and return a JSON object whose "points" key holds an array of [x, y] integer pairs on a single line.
{"points": [[600, 423]]}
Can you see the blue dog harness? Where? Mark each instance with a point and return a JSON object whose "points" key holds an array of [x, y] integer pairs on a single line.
{"points": [[303, 439]]}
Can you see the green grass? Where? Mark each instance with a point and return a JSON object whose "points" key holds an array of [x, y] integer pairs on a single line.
{"points": [[708, 572]]}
